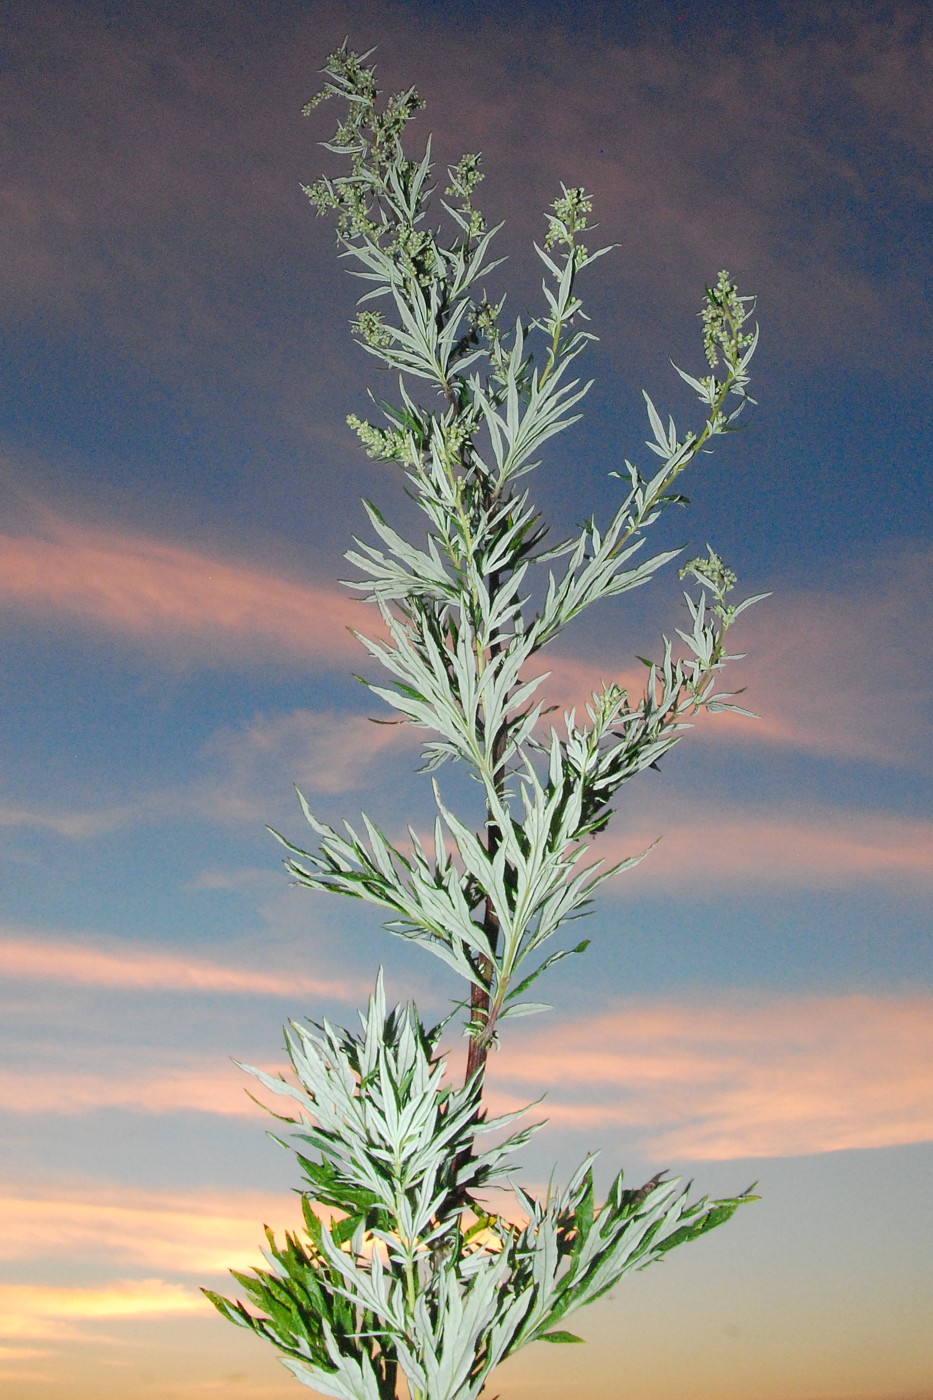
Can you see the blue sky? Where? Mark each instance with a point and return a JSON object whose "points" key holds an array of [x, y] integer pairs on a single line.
{"points": [[177, 487]]}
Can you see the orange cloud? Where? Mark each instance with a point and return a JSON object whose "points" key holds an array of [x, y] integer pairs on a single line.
{"points": [[157, 592], [58, 960], [19, 1353], [198, 1233], [219, 1088], [47, 1313], [789, 1077]]}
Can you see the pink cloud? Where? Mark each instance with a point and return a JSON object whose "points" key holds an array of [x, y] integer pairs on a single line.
{"points": [[787, 1077], [797, 845], [322, 751], [822, 665], [845, 673], [793, 846], [821, 669], [728, 1078], [159, 593], [231, 880], [742, 142], [155, 156], [120, 966], [741, 137]]}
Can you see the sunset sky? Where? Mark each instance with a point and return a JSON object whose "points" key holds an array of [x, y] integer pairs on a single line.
{"points": [[177, 488]]}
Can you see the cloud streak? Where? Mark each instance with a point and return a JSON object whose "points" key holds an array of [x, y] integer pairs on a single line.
{"points": [[824, 663], [77, 824], [197, 1233], [40, 1312], [87, 216], [845, 674], [728, 1078], [797, 1076], [129, 968], [323, 751], [794, 846], [162, 594], [222, 1090]]}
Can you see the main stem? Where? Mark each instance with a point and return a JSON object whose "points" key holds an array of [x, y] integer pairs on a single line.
{"points": [[480, 995]]}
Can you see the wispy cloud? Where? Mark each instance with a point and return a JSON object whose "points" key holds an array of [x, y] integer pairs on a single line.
{"points": [[845, 670], [219, 1089], [242, 770], [726, 1079], [722, 1077], [796, 846], [322, 751], [116, 965], [47, 1313], [154, 207], [156, 592], [739, 182], [799, 845], [19, 1353], [196, 1233], [78, 824], [231, 880], [823, 664]]}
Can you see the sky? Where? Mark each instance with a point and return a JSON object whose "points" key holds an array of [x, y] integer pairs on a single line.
{"points": [[177, 488]]}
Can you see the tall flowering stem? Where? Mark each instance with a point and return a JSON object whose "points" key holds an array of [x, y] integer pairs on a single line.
{"points": [[404, 1276]]}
